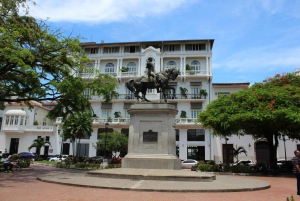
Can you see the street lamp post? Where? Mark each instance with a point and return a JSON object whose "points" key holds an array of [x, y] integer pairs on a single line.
{"points": [[61, 145], [106, 129]]}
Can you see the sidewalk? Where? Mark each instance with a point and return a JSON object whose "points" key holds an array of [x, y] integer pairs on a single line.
{"points": [[24, 186]]}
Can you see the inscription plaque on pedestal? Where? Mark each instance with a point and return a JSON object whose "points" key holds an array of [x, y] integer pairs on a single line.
{"points": [[150, 136]]}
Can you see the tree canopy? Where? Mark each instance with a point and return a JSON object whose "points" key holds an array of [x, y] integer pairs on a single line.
{"points": [[265, 110], [41, 64], [115, 142], [76, 127]]}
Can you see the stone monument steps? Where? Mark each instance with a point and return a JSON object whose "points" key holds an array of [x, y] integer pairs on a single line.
{"points": [[152, 174]]}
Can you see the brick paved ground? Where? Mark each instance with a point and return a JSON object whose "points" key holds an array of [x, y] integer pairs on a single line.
{"points": [[24, 186]]}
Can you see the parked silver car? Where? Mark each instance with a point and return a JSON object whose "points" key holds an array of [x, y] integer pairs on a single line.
{"points": [[187, 164]]}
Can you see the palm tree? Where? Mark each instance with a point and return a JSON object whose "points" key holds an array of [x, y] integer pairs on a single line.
{"points": [[39, 143], [236, 151], [76, 127]]}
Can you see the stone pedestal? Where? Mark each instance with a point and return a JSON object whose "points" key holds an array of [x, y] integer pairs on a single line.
{"points": [[152, 140]]}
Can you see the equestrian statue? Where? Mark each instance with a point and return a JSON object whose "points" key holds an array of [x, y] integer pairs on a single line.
{"points": [[152, 80]]}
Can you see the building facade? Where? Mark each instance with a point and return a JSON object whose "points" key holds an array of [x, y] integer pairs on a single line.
{"points": [[127, 60]]}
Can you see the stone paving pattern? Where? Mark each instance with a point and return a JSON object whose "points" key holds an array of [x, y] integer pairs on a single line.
{"points": [[23, 185]]}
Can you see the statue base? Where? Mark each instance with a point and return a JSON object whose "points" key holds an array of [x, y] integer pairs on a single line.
{"points": [[152, 140]]}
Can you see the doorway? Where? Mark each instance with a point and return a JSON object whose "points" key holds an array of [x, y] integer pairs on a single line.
{"points": [[14, 146]]}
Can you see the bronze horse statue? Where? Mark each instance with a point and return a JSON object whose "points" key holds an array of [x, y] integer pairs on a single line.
{"points": [[142, 83]]}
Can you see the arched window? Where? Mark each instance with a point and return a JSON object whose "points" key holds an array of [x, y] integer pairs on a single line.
{"points": [[131, 67], [171, 64], [195, 65], [109, 68]]}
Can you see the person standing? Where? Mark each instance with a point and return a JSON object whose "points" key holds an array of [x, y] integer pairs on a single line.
{"points": [[296, 169]]}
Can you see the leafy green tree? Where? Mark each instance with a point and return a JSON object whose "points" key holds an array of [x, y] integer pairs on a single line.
{"points": [[34, 59], [265, 110], [39, 143], [112, 142], [77, 126]]}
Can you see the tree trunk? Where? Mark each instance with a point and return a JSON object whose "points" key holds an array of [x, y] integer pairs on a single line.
{"points": [[77, 147]]}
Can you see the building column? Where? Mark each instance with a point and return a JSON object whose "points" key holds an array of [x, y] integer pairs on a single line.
{"points": [[183, 144], [93, 140], [207, 67]]}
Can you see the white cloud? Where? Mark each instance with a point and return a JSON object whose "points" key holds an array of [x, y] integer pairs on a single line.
{"points": [[102, 11], [262, 59]]}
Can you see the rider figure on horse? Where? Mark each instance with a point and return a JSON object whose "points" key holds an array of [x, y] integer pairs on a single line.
{"points": [[151, 73]]}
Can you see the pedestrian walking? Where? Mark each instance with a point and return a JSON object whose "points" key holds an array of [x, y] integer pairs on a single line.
{"points": [[296, 169]]}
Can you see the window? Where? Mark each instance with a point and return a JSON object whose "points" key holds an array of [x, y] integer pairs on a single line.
{"points": [[106, 113], [177, 134], [222, 93], [126, 115], [171, 64], [195, 47], [132, 49], [87, 93], [171, 48], [109, 68], [129, 94], [109, 50], [195, 91], [150, 91], [196, 135], [195, 65], [131, 67], [44, 121], [91, 50], [195, 113], [83, 149]]}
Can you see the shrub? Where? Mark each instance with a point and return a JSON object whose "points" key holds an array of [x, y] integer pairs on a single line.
{"points": [[207, 168], [38, 159], [240, 169], [14, 157], [24, 163], [211, 162]]}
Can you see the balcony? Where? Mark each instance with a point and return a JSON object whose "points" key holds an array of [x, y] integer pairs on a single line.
{"points": [[129, 74], [22, 129], [195, 73], [190, 97], [112, 121], [186, 121]]}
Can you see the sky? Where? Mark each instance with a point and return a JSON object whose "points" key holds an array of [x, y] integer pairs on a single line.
{"points": [[254, 39]]}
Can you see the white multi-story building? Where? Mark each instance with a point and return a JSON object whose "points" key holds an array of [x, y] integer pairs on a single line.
{"points": [[127, 60]]}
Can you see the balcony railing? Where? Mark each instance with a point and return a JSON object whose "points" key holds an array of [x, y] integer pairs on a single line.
{"points": [[129, 74], [20, 128], [186, 121], [186, 96], [123, 97], [196, 72], [111, 120]]}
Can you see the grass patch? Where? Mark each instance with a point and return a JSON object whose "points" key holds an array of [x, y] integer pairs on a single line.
{"points": [[45, 162]]}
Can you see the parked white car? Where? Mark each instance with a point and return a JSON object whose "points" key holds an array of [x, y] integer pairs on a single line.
{"points": [[244, 162], [58, 159], [187, 164]]}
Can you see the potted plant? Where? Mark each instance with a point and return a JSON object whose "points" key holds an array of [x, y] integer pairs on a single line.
{"points": [[183, 92], [109, 119], [124, 69], [183, 114], [117, 115], [36, 123], [203, 92]]}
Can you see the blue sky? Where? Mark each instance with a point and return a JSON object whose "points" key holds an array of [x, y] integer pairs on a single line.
{"points": [[254, 39]]}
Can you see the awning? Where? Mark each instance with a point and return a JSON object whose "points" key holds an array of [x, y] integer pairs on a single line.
{"points": [[16, 113]]}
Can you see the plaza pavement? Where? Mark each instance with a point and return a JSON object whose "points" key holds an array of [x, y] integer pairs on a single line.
{"points": [[23, 185]]}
